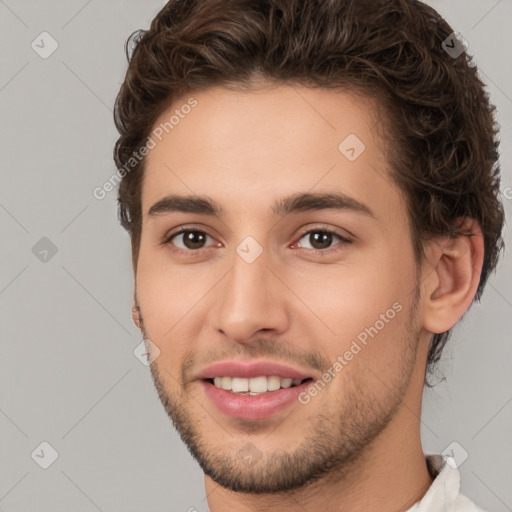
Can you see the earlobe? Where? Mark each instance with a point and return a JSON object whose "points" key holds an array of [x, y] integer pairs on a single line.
{"points": [[452, 277]]}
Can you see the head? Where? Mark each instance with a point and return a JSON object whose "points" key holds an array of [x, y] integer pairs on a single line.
{"points": [[263, 112]]}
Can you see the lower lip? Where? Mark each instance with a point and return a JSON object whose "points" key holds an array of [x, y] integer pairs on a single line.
{"points": [[253, 407]]}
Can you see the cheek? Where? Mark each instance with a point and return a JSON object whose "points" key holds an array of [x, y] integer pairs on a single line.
{"points": [[167, 297], [361, 308], [352, 294]]}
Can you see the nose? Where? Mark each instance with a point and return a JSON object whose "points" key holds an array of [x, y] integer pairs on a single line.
{"points": [[251, 299]]}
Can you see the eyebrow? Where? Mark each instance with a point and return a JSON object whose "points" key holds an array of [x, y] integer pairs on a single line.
{"points": [[295, 203]]}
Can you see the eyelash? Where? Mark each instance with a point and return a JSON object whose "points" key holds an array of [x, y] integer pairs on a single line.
{"points": [[321, 252]]}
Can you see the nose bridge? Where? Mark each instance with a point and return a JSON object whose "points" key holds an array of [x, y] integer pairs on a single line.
{"points": [[250, 299]]}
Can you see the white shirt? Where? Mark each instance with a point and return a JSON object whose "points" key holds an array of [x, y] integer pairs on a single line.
{"points": [[444, 493]]}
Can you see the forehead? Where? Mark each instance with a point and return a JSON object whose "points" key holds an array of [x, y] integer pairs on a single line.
{"points": [[247, 148]]}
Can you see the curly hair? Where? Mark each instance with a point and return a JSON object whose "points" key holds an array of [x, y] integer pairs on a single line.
{"points": [[441, 138]]}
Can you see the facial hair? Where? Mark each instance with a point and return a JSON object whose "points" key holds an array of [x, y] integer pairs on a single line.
{"points": [[333, 441]]}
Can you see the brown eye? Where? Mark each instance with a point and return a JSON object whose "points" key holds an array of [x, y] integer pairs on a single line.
{"points": [[322, 240], [192, 239]]}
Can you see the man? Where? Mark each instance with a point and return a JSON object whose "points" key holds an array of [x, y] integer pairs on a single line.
{"points": [[311, 189]]}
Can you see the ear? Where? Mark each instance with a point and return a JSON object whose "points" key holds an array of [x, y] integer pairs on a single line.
{"points": [[450, 277], [136, 313]]}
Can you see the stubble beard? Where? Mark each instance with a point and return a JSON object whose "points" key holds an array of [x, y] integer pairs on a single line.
{"points": [[332, 444]]}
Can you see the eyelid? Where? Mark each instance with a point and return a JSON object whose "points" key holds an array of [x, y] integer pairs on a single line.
{"points": [[348, 237], [166, 239], [304, 231], [344, 240]]}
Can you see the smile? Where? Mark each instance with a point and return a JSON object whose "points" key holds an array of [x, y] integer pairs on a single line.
{"points": [[255, 385]]}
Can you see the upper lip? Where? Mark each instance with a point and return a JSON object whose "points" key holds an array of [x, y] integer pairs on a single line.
{"points": [[250, 369]]}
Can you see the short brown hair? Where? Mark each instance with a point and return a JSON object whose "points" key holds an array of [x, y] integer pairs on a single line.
{"points": [[442, 139]]}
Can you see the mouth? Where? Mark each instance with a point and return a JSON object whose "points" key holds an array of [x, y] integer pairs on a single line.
{"points": [[256, 385], [252, 389], [255, 399]]}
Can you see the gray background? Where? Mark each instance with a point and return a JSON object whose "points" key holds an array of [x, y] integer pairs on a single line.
{"points": [[68, 373]]}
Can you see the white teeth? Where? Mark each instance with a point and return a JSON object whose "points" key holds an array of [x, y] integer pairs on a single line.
{"points": [[286, 383], [273, 383], [226, 383], [239, 385], [255, 385], [258, 384]]}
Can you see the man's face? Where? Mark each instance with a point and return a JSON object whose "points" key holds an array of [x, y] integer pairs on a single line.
{"points": [[256, 288]]}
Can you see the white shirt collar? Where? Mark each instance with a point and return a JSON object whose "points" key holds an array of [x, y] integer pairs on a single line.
{"points": [[444, 493]]}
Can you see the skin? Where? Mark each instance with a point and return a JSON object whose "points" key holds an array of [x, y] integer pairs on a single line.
{"points": [[356, 445]]}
